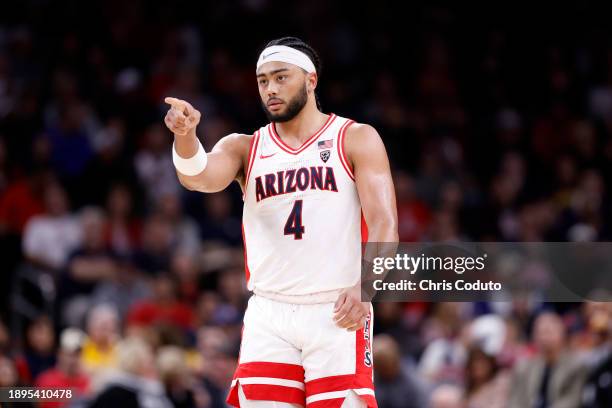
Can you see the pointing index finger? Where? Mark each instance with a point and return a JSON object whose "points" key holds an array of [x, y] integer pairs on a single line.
{"points": [[177, 104]]}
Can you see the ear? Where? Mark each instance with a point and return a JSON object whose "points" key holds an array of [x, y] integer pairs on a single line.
{"points": [[311, 81]]}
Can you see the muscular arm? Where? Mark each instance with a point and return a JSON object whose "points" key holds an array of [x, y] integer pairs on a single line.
{"points": [[366, 152], [226, 161], [367, 156]]}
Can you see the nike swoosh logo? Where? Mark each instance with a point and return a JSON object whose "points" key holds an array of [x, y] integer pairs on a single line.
{"points": [[272, 53], [265, 157]]}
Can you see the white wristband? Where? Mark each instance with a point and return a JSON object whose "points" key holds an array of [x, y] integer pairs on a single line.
{"points": [[192, 166]]}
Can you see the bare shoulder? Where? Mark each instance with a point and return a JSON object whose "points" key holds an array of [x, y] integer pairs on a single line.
{"points": [[362, 138], [361, 131]]}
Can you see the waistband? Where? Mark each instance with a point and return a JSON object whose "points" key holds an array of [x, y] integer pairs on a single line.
{"points": [[329, 296]]}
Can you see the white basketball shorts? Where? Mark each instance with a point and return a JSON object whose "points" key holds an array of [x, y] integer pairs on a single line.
{"points": [[295, 353]]}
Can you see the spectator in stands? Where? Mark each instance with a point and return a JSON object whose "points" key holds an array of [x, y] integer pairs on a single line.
{"points": [[158, 242], [218, 352], [100, 348], [396, 384], [136, 384], [486, 385], [88, 265], [181, 389], [23, 199], [122, 232], [68, 372], [445, 339], [185, 267], [597, 341], [184, 229], [554, 377], [68, 128], [413, 215], [154, 166], [49, 238], [165, 308], [39, 353], [218, 223], [8, 373], [126, 288]]}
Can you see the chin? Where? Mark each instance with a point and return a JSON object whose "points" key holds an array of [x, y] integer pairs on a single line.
{"points": [[280, 116]]}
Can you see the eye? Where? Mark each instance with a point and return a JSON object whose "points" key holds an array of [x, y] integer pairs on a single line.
{"points": [[262, 82], [281, 77]]}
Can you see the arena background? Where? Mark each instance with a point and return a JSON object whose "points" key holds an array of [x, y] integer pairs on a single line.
{"points": [[497, 121]]}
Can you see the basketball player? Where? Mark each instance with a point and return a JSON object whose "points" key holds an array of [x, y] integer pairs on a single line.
{"points": [[314, 186]]}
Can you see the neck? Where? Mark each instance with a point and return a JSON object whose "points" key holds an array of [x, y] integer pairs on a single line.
{"points": [[303, 125]]}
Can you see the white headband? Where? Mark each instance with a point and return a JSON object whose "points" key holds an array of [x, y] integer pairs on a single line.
{"points": [[282, 53]]}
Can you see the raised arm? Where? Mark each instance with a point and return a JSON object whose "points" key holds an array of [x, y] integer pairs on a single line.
{"points": [[224, 163]]}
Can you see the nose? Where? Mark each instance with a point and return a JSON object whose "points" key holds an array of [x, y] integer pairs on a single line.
{"points": [[271, 88]]}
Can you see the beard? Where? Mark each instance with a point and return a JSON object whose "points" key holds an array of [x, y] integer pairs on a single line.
{"points": [[294, 106]]}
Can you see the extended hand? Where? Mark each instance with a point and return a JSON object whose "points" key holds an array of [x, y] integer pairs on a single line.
{"points": [[181, 117], [349, 311]]}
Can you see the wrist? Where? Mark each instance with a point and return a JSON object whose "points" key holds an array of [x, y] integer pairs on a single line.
{"points": [[190, 166]]}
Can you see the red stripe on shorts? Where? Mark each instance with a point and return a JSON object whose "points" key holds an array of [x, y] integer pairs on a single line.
{"points": [[337, 383], [337, 402], [270, 392], [285, 371]]}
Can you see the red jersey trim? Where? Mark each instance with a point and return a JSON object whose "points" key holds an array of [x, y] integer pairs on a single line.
{"points": [[304, 145], [247, 272], [341, 152], [364, 229], [251, 159]]}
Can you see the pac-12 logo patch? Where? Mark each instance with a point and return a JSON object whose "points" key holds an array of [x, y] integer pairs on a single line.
{"points": [[325, 156], [367, 355]]}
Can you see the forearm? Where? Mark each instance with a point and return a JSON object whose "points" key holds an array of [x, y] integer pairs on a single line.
{"points": [[383, 230], [222, 164], [186, 145], [382, 243]]}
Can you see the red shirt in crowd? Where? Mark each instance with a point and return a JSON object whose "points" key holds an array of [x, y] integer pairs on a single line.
{"points": [[148, 313], [55, 378]]}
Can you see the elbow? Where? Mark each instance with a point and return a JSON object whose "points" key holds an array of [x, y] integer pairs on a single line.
{"points": [[197, 184], [191, 184]]}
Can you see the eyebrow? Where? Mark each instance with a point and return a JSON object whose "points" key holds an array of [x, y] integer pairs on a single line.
{"points": [[276, 71]]}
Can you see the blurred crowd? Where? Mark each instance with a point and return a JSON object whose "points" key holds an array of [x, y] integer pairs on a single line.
{"points": [[128, 288]]}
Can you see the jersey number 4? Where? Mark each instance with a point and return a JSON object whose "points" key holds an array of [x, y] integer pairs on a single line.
{"points": [[294, 222]]}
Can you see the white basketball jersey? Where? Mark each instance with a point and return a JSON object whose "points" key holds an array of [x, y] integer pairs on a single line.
{"points": [[302, 216]]}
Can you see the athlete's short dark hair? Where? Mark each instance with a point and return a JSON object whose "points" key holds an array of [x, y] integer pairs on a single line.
{"points": [[300, 45]]}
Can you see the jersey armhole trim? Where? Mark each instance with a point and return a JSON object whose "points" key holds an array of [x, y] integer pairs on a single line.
{"points": [[251, 159], [341, 152]]}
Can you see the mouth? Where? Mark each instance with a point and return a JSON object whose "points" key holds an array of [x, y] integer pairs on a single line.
{"points": [[274, 104]]}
